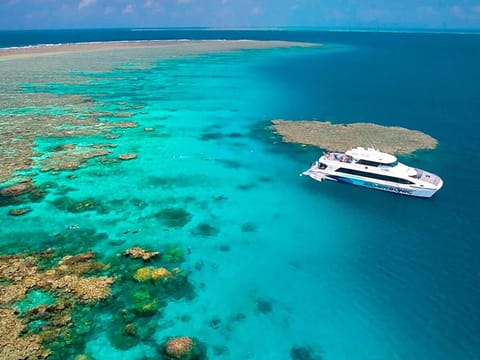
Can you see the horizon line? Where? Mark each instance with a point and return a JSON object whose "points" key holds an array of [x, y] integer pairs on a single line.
{"points": [[272, 28]]}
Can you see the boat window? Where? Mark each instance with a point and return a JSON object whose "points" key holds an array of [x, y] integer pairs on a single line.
{"points": [[375, 176], [322, 166], [368, 162], [374, 163]]}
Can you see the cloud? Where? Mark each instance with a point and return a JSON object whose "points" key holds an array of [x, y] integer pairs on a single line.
{"points": [[108, 10], [335, 14], [457, 11], [374, 15], [256, 11], [427, 10], [84, 3], [154, 7], [128, 9]]}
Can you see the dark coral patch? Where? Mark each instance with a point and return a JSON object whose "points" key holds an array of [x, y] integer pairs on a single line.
{"points": [[235, 135], [204, 229], [224, 248], [245, 187], [174, 217], [215, 323], [168, 182], [265, 179], [249, 227], [264, 306], [304, 353], [220, 350], [211, 136], [232, 164]]}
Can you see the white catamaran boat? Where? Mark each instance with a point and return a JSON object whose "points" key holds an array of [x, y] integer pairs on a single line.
{"points": [[374, 169]]}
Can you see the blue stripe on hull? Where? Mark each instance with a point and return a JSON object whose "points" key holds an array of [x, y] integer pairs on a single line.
{"points": [[375, 186]]}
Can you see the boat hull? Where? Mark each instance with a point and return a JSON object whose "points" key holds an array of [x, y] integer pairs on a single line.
{"points": [[393, 188], [426, 193]]}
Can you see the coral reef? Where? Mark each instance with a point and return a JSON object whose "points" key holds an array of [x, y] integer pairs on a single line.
{"points": [[82, 357], [150, 273], [143, 274], [29, 107], [139, 253], [17, 189], [51, 297], [173, 255], [65, 278], [179, 347], [13, 346], [44, 323], [147, 308], [127, 156], [160, 273], [71, 156], [19, 211], [395, 140], [22, 193], [126, 124], [68, 204], [183, 348], [130, 330]]}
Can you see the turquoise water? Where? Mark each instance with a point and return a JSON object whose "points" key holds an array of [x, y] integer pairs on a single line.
{"points": [[348, 273]]}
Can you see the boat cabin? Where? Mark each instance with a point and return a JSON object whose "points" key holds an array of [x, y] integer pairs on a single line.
{"points": [[371, 157]]}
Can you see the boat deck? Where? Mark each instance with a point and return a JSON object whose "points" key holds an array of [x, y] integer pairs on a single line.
{"points": [[428, 177], [337, 156]]}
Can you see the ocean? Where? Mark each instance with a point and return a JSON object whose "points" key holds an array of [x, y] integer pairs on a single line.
{"points": [[279, 266]]}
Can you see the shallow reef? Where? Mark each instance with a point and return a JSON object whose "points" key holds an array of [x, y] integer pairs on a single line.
{"points": [[23, 192], [341, 137], [49, 302], [72, 156], [30, 333], [17, 151]]}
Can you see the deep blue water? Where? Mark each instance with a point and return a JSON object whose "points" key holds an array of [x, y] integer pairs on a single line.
{"points": [[414, 262]]}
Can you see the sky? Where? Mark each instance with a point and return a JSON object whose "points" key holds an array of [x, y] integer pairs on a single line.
{"points": [[376, 14]]}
